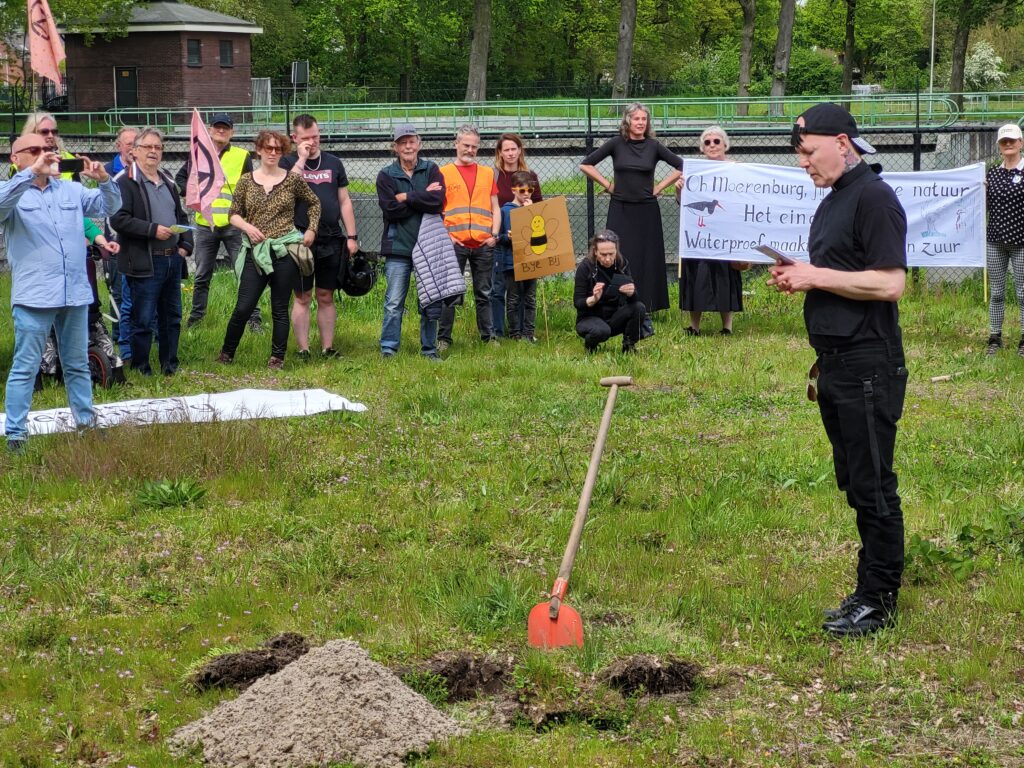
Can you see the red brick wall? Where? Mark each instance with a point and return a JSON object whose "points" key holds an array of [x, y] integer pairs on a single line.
{"points": [[165, 79]]}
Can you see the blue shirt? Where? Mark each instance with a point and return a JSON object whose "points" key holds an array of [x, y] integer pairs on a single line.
{"points": [[46, 239]]}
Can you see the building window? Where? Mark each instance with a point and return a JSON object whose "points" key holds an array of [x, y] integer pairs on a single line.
{"points": [[195, 53], [227, 53]]}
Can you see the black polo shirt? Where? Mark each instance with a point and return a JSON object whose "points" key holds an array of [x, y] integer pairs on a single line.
{"points": [[859, 226]]}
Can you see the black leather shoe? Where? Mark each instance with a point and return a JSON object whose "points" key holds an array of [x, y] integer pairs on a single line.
{"points": [[831, 614], [860, 619]]}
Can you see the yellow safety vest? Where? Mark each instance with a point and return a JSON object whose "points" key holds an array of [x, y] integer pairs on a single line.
{"points": [[231, 163], [467, 213]]}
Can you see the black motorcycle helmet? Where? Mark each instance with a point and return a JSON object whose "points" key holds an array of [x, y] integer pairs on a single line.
{"points": [[360, 275]]}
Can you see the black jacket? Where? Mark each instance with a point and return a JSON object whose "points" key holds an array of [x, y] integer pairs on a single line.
{"points": [[589, 273], [134, 226]]}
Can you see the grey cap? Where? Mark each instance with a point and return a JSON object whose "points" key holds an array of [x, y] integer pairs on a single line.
{"points": [[405, 130]]}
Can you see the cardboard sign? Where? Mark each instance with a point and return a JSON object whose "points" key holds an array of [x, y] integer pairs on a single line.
{"points": [[541, 239]]}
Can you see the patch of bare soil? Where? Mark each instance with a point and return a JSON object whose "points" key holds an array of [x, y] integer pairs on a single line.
{"points": [[655, 675], [332, 705], [242, 669], [467, 674]]}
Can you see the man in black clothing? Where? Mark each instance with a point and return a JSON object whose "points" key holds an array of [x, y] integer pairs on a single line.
{"points": [[855, 277], [326, 176]]}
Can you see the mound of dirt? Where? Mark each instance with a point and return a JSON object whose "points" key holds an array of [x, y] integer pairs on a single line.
{"points": [[242, 669], [467, 674], [332, 705], [656, 676]]}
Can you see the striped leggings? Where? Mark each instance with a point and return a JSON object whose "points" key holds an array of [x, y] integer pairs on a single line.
{"points": [[998, 258]]}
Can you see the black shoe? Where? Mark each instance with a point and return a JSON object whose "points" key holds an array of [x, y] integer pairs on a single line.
{"points": [[691, 331], [831, 614], [16, 447], [255, 325], [591, 344], [726, 332], [861, 618], [303, 355], [995, 343]]}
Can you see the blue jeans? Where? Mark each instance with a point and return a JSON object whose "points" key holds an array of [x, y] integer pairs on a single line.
{"points": [[159, 296], [397, 273], [31, 327]]}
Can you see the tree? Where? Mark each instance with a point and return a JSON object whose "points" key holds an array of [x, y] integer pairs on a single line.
{"points": [[476, 86], [968, 15], [783, 46], [746, 50], [624, 53], [849, 46], [983, 69]]}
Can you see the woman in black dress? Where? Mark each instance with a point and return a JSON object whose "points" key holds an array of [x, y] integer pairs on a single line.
{"points": [[706, 285], [634, 212]]}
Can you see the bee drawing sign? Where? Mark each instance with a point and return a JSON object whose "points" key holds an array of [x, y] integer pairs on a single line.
{"points": [[541, 239]]}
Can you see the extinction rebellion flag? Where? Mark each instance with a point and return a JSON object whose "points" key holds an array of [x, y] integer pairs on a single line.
{"points": [[46, 49], [205, 177]]}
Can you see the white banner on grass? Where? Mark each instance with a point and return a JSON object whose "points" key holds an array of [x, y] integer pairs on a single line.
{"points": [[728, 208], [239, 405]]}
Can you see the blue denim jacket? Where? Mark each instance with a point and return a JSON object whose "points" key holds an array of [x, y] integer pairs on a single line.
{"points": [[46, 238]]}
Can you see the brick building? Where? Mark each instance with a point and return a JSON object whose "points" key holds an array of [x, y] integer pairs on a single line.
{"points": [[175, 55]]}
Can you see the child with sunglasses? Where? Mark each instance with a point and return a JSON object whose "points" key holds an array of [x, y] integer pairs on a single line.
{"points": [[520, 295]]}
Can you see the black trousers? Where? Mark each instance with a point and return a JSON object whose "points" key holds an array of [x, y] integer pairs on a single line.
{"points": [[860, 395], [251, 285], [626, 320]]}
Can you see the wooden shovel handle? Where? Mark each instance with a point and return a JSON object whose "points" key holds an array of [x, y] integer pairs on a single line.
{"points": [[572, 547], [622, 381]]}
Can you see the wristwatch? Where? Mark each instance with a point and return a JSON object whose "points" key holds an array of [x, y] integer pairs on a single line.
{"points": [[352, 237]]}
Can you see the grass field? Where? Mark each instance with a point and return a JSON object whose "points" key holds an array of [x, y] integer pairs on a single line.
{"points": [[437, 519]]}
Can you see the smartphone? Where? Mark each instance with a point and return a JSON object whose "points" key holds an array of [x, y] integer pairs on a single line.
{"points": [[771, 253], [73, 165]]}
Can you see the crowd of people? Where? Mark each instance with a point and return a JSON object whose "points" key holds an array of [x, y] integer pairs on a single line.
{"points": [[289, 223]]}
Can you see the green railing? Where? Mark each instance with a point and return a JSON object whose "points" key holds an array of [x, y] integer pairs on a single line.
{"points": [[569, 115]]}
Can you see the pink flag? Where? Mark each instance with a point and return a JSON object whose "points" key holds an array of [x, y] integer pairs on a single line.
{"points": [[205, 177], [45, 44]]}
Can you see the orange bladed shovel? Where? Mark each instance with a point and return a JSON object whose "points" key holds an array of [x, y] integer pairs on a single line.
{"points": [[552, 624]]}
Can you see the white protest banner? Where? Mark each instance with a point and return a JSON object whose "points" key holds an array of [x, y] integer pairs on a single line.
{"points": [[729, 208], [240, 405]]}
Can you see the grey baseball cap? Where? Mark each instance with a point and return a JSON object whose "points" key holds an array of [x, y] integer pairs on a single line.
{"points": [[405, 130]]}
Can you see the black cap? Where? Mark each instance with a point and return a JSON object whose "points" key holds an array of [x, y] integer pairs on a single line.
{"points": [[830, 120], [223, 117]]}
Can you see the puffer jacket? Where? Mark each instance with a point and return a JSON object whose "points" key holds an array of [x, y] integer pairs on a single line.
{"points": [[438, 277]]}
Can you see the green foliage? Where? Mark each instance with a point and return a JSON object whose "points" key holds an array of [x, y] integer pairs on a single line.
{"points": [[927, 561], [170, 493], [813, 71]]}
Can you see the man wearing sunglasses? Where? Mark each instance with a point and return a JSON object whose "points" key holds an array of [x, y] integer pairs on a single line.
{"points": [[855, 277], [42, 219]]}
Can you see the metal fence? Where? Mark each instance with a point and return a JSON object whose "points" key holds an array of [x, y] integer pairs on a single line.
{"points": [[556, 161]]}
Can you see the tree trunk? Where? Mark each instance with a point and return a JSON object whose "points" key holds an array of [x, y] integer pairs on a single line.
{"points": [[849, 48], [746, 52], [624, 56], [956, 74], [783, 45], [476, 87]]}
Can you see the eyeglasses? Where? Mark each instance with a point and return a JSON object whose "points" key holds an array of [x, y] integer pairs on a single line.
{"points": [[812, 382], [150, 147], [34, 151], [47, 131], [274, 150], [524, 190], [709, 142]]}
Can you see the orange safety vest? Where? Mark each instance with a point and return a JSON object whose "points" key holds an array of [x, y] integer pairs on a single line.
{"points": [[468, 217]]}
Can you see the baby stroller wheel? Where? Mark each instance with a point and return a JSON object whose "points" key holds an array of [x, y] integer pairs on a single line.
{"points": [[100, 370]]}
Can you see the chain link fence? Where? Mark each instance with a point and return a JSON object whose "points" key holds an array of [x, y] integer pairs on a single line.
{"points": [[556, 159]]}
